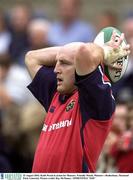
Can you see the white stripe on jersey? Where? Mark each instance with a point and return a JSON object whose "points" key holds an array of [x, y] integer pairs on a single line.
{"points": [[104, 82]]}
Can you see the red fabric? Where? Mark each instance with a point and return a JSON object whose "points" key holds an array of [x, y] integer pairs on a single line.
{"points": [[60, 145], [64, 145], [94, 137]]}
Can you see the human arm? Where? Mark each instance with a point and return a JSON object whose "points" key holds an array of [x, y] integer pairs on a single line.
{"points": [[94, 86], [35, 59], [39, 64], [89, 55]]}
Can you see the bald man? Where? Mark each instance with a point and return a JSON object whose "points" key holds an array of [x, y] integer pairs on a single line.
{"points": [[69, 82]]}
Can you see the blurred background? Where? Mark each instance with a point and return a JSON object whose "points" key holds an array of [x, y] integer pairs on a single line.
{"points": [[28, 24]]}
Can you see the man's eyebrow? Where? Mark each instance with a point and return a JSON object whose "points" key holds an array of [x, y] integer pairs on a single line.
{"points": [[65, 61]]}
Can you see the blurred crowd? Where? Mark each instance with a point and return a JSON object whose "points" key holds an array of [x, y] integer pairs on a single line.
{"points": [[21, 116]]}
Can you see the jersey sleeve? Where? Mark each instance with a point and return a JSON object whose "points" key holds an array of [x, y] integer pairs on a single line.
{"points": [[43, 86], [95, 96]]}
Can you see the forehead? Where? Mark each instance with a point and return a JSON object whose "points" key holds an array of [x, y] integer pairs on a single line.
{"points": [[66, 53]]}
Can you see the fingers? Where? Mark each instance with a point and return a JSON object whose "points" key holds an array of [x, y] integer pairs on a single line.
{"points": [[116, 49], [113, 37], [127, 49], [116, 39], [115, 66], [121, 38], [128, 52]]}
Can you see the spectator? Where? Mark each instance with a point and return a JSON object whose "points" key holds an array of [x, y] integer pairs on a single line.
{"points": [[13, 97], [20, 17], [5, 36], [130, 117], [29, 131], [70, 27], [38, 33], [12, 135], [13, 83], [117, 130], [122, 149], [120, 119], [37, 36], [5, 164], [105, 19]]}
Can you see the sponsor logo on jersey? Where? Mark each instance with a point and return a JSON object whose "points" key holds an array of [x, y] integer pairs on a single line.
{"points": [[55, 126], [70, 105]]}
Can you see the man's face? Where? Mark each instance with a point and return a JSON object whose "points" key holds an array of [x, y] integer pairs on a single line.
{"points": [[120, 117], [65, 71], [68, 9]]}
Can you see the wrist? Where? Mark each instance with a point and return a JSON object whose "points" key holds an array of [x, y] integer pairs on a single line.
{"points": [[109, 55], [106, 52]]}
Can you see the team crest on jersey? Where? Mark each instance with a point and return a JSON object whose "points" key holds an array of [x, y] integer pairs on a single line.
{"points": [[70, 105]]}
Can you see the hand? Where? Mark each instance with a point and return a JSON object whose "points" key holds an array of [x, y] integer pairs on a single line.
{"points": [[114, 50]]}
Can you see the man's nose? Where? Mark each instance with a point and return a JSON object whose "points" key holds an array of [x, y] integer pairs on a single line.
{"points": [[57, 68]]}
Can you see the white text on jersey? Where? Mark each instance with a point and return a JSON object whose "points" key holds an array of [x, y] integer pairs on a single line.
{"points": [[61, 124]]}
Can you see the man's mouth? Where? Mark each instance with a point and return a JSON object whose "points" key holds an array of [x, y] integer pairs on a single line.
{"points": [[59, 81]]}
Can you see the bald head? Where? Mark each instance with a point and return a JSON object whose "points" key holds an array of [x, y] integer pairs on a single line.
{"points": [[68, 51], [38, 33]]}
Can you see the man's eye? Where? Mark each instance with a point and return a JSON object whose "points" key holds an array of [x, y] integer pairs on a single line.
{"points": [[63, 63]]}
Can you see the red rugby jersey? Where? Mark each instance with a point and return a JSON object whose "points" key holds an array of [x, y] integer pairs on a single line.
{"points": [[76, 126]]}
